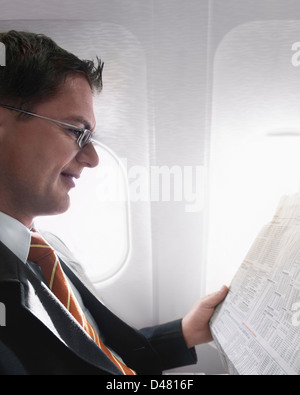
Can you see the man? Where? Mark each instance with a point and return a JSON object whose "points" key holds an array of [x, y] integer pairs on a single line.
{"points": [[46, 126]]}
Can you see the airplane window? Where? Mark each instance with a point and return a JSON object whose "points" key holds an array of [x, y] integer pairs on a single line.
{"points": [[96, 227], [255, 137]]}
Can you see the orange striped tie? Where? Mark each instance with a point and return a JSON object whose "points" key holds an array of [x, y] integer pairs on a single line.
{"points": [[44, 256]]}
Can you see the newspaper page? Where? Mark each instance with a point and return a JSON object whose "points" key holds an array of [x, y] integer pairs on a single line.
{"points": [[257, 327]]}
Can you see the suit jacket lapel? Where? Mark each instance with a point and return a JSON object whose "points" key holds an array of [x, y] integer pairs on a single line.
{"points": [[39, 301]]}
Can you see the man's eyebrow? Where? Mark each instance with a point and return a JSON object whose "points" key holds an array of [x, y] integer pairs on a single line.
{"points": [[75, 119]]}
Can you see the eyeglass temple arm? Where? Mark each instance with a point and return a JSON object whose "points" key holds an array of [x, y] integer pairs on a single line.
{"points": [[42, 117]]}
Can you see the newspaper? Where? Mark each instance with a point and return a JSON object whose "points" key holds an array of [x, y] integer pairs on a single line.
{"points": [[257, 327]]}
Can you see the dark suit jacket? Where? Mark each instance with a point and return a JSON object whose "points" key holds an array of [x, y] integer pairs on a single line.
{"points": [[41, 337]]}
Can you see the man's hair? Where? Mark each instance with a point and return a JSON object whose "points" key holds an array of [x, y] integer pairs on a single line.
{"points": [[36, 67]]}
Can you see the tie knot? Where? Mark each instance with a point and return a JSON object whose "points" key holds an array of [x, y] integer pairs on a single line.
{"points": [[39, 248]]}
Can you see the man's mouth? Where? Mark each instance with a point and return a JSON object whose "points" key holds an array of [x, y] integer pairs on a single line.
{"points": [[69, 178]]}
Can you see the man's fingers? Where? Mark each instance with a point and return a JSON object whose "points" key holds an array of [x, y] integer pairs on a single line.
{"points": [[211, 301]]}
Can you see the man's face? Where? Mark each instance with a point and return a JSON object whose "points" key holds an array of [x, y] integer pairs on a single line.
{"points": [[39, 159]]}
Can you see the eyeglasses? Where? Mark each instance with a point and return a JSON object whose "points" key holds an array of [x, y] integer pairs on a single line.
{"points": [[84, 135]]}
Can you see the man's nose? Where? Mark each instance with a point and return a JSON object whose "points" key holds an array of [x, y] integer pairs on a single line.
{"points": [[88, 156]]}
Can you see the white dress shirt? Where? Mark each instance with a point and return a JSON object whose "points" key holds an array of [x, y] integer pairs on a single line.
{"points": [[15, 236]]}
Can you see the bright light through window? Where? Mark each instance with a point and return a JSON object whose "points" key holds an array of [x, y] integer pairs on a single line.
{"points": [[255, 138]]}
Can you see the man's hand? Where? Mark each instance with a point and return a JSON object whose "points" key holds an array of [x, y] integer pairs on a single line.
{"points": [[195, 326]]}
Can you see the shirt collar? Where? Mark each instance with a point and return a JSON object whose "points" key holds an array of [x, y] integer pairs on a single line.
{"points": [[15, 236]]}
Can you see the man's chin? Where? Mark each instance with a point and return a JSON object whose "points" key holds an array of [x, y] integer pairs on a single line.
{"points": [[59, 207]]}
